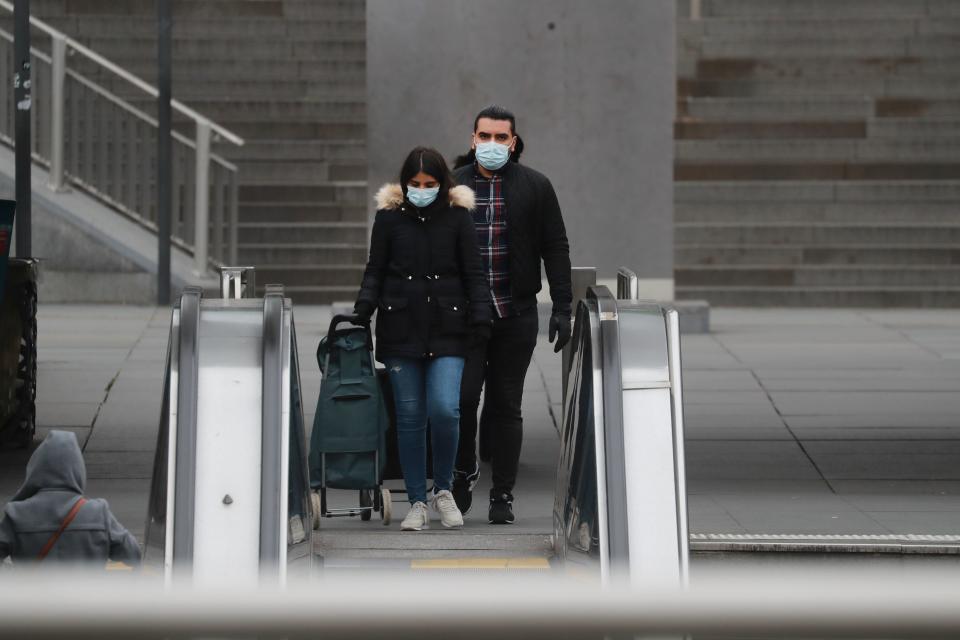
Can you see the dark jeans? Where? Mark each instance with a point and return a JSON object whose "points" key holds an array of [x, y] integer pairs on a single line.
{"points": [[501, 369]]}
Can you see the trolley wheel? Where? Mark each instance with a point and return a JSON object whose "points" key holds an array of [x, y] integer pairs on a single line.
{"points": [[315, 504], [387, 510], [366, 504]]}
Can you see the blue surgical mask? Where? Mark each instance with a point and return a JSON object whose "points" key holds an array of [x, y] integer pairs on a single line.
{"points": [[421, 198], [492, 155]]}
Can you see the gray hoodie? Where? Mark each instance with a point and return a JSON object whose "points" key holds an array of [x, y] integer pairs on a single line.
{"points": [[56, 477]]}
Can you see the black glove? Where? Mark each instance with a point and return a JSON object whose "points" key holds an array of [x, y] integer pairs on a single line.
{"points": [[364, 311], [560, 329], [479, 337]]}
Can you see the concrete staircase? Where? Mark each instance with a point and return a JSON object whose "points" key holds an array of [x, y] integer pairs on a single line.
{"points": [[818, 153], [289, 76]]}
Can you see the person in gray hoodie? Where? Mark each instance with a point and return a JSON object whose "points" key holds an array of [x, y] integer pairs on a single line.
{"points": [[52, 491]]}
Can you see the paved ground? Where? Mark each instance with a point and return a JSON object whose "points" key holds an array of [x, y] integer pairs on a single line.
{"points": [[798, 422]]}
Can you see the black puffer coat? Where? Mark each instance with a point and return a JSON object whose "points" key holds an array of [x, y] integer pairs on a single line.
{"points": [[425, 276]]}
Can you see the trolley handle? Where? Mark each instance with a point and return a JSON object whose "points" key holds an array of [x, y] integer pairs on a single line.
{"points": [[353, 319]]}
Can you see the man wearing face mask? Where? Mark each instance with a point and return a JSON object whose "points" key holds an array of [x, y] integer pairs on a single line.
{"points": [[519, 224]]}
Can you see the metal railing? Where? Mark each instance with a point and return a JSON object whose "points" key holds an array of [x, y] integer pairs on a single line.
{"points": [[94, 140]]}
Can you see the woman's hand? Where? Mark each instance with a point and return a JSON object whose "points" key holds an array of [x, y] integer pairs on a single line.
{"points": [[364, 311]]}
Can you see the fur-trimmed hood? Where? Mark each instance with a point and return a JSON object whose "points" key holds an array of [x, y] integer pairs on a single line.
{"points": [[390, 196]]}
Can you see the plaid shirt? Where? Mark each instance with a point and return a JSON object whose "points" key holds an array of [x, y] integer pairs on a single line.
{"points": [[489, 217]]}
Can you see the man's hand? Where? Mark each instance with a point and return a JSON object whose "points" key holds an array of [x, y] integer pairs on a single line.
{"points": [[479, 336], [559, 329]]}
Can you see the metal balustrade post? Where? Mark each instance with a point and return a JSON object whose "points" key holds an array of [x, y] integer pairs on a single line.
{"points": [[628, 285], [202, 197], [58, 74], [234, 220]]}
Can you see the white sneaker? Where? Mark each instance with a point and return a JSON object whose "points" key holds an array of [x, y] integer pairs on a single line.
{"points": [[444, 504], [417, 518]]}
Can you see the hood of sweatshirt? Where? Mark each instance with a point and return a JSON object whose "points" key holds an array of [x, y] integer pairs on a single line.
{"points": [[56, 464]]}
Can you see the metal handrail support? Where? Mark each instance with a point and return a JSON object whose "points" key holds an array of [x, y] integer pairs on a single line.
{"points": [[628, 284], [58, 59], [202, 197]]}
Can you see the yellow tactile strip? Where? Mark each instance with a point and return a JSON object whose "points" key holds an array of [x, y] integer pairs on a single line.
{"points": [[482, 563]]}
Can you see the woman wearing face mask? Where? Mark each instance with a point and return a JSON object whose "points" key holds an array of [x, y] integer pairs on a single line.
{"points": [[425, 280]]}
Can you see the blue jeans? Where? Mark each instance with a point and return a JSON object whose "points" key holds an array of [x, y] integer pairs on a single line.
{"points": [[422, 390]]}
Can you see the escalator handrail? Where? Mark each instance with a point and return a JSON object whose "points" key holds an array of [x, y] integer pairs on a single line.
{"points": [[186, 433], [618, 537], [271, 430]]}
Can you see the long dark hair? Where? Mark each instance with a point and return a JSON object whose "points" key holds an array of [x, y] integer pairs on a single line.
{"points": [[432, 163], [494, 112]]}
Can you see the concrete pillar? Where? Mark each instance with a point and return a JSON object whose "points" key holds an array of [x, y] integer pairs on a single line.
{"points": [[593, 88]]}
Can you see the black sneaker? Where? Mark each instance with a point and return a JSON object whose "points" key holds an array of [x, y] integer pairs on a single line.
{"points": [[501, 508], [463, 484]]}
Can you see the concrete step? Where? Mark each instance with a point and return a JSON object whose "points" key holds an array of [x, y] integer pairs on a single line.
{"points": [[939, 87], [854, 254], [180, 8], [299, 172], [347, 108], [784, 68], [205, 9], [317, 254], [912, 128], [112, 26], [937, 109], [186, 51], [816, 212], [795, 27], [825, 8], [342, 193], [313, 295], [295, 150], [866, 297], [817, 234], [350, 233], [850, 47], [820, 191], [326, 70], [779, 109], [688, 129], [96, 30], [304, 275], [816, 170], [277, 129], [279, 212], [818, 276], [310, 9], [889, 149]]}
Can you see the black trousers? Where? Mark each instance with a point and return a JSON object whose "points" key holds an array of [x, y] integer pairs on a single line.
{"points": [[501, 369]]}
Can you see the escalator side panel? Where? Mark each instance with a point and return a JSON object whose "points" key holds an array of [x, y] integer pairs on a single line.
{"points": [[227, 513]]}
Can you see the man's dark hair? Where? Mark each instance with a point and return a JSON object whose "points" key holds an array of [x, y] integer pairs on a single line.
{"points": [[432, 163], [494, 112]]}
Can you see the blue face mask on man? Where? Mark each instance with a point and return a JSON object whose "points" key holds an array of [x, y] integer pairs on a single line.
{"points": [[492, 155], [421, 198]]}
